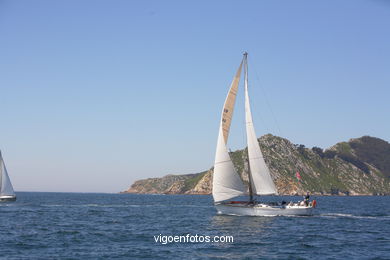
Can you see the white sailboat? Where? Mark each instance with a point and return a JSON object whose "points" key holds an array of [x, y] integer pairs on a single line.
{"points": [[226, 182], [6, 190]]}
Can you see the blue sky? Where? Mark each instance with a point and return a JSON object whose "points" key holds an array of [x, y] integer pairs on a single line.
{"points": [[97, 94]]}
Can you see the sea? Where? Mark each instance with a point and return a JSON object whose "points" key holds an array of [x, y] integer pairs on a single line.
{"points": [[128, 226]]}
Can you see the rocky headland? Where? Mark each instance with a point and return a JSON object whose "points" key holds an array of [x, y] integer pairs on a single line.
{"points": [[360, 166]]}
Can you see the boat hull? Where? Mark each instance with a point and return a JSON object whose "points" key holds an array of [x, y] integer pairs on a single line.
{"points": [[7, 198], [263, 210]]}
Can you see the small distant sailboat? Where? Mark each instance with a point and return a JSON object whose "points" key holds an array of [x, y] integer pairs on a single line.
{"points": [[6, 190], [226, 182]]}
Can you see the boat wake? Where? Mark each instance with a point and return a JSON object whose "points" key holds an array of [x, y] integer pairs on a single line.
{"points": [[345, 215]]}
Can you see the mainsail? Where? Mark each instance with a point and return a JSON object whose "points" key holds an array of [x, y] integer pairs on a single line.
{"points": [[262, 183], [226, 182], [5, 183]]}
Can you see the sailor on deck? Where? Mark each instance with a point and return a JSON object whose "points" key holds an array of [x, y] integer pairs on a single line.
{"points": [[306, 199]]}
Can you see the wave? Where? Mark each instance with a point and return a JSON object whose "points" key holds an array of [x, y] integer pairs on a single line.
{"points": [[123, 205], [92, 205]]}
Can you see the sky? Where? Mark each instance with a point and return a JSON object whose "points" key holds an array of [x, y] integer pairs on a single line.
{"points": [[97, 94]]}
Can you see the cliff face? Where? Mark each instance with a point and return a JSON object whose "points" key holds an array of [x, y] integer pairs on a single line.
{"points": [[167, 184], [358, 167]]}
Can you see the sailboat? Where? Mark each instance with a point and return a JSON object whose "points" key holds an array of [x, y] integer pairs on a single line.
{"points": [[226, 182], [6, 190]]}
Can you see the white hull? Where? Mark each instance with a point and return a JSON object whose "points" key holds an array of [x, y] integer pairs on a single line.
{"points": [[263, 210], [4, 198]]}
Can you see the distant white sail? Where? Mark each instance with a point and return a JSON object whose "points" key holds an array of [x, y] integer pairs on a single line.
{"points": [[262, 183], [226, 182], [5, 183]]}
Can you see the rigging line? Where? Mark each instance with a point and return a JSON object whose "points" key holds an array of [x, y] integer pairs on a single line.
{"points": [[272, 113], [225, 161], [259, 115], [267, 100]]}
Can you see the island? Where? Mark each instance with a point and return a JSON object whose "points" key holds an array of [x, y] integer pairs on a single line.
{"points": [[360, 166]]}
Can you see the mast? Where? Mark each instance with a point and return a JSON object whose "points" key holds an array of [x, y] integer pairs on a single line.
{"points": [[251, 200], [251, 193]]}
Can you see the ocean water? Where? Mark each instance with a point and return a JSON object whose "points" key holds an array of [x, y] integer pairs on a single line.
{"points": [[124, 226]]}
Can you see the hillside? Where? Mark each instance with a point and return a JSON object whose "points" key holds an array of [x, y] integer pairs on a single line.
{"points": [[358, 167]]}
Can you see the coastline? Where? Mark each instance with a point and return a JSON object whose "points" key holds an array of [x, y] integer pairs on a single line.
{"points": [[296, 194]]}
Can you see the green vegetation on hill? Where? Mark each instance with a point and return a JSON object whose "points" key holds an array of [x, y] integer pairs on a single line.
{"points": [[373, 151], [191, 182], [360, 166]]}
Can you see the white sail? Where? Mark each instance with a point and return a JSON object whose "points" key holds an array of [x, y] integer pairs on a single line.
{"points": [[226, 182], [262, 183], [6, 186]]}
